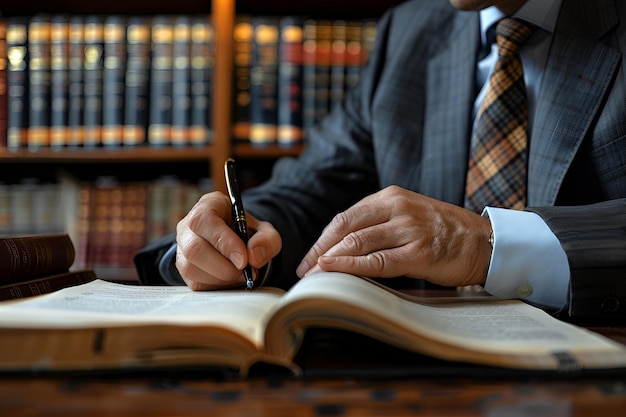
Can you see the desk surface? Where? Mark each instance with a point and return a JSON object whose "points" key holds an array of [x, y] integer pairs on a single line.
{"points": [[347, 397], [160, 395]]}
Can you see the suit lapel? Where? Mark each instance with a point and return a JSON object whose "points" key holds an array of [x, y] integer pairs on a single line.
{"points": [[577, 77], [449, 97]]}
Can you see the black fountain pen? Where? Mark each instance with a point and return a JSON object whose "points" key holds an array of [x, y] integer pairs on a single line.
{"points": [[239, 216]]}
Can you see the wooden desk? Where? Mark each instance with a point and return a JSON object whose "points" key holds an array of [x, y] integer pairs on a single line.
{"points": [[348, 397], [162, 395], [475, 394]]}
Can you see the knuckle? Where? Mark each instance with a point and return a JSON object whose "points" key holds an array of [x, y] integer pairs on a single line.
{"points": [[340, 222], [355, 242], [377, 262]]}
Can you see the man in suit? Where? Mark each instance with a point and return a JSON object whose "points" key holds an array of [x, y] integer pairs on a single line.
{"points": [[380, 189]]}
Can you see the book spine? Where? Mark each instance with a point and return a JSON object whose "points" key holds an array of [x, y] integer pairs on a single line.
{"points": [[368, 37], [3, 84], [21, 206], [309, 47], [290, 82], [137, 84], [321, 83], [135, 218], [17, 82], [5, 208], [39, 79], [59, 81], [160, 121], [45, 284], [243, 33], [30, 256], [84, 224], [93, 70], [114, 68], [75, 120], [338, 52], [264, 82], [181, 81], [354, 54], [202, 65]]}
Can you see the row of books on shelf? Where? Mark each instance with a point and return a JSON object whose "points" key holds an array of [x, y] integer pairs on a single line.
{"points": [[107, 220], [106, 80], [290, 71], [117, 80]]}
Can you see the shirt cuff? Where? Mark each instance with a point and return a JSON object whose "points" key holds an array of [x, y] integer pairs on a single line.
{"points": [[167, 267], [528, 261]]}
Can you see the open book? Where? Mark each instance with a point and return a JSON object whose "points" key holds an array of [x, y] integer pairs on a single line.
{"points": [[103, 325]]}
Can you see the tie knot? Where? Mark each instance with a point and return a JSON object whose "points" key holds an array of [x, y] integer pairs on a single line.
{"points": [[511, 34]]}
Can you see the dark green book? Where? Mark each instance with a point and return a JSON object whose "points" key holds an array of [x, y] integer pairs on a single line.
{"points": [[114, 69], [137, 80], [264, 82], [17, 82], [160, 120], [93, 82]]}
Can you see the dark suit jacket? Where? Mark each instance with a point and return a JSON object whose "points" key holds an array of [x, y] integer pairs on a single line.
{"points": [[409, 124]]}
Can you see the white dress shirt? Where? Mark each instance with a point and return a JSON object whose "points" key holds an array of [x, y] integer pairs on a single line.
{"points": [[528, 261]]}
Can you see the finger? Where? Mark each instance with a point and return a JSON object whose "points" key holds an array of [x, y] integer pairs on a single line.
{"points": [[198, 261], [355, 218], [210, 219], [379, 264], [264, 244]]}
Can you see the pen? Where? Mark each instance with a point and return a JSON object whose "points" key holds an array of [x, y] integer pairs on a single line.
{"points": [[239, 216]]}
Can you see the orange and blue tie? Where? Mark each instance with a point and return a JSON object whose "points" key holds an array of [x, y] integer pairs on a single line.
{"points": [[499, 150]]}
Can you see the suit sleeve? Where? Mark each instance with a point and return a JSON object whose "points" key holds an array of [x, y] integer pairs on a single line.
{"points": [[594, 239]]}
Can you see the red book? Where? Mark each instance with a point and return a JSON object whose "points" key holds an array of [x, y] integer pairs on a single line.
{"points": [[32, 256]]}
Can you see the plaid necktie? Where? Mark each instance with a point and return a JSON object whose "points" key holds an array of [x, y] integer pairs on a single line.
{"points": [[498, 158]]}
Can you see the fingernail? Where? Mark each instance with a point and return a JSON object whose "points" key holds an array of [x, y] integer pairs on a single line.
{"points": [[237, 259], [301, 269]]}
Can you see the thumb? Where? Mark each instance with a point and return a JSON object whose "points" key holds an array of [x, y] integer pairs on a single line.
{"points": [[264, 244]]}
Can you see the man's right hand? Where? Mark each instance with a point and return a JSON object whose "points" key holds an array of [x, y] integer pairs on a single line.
{"points": [[210, 255]]}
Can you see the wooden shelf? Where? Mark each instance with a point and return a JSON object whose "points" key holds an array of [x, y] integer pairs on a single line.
{"points": [[123, 155], [243, 150]]}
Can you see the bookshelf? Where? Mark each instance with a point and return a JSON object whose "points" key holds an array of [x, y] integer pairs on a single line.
{"points": [[87, 163]]}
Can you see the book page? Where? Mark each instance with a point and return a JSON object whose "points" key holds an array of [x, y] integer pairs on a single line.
{"points": [[488, 326], [101, 303]]}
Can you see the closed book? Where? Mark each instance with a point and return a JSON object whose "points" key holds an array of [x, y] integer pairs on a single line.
{"points": [[160, 120], [22, 205], [202, 67], [33, 255], [59, 80], [321, 83], [368, 37], [338, 57], [290, 82], [93, 63], [114, 69], [3, 84], [76, 99], [17, 82], [243, 33], [137, 81], [264, 82], [45, 284], [181, 81], [39, 80], [316, 72], [354, 54]]}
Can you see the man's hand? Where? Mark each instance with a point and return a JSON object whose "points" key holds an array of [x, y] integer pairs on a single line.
{"points": [[210, 254], [396, 232]]}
